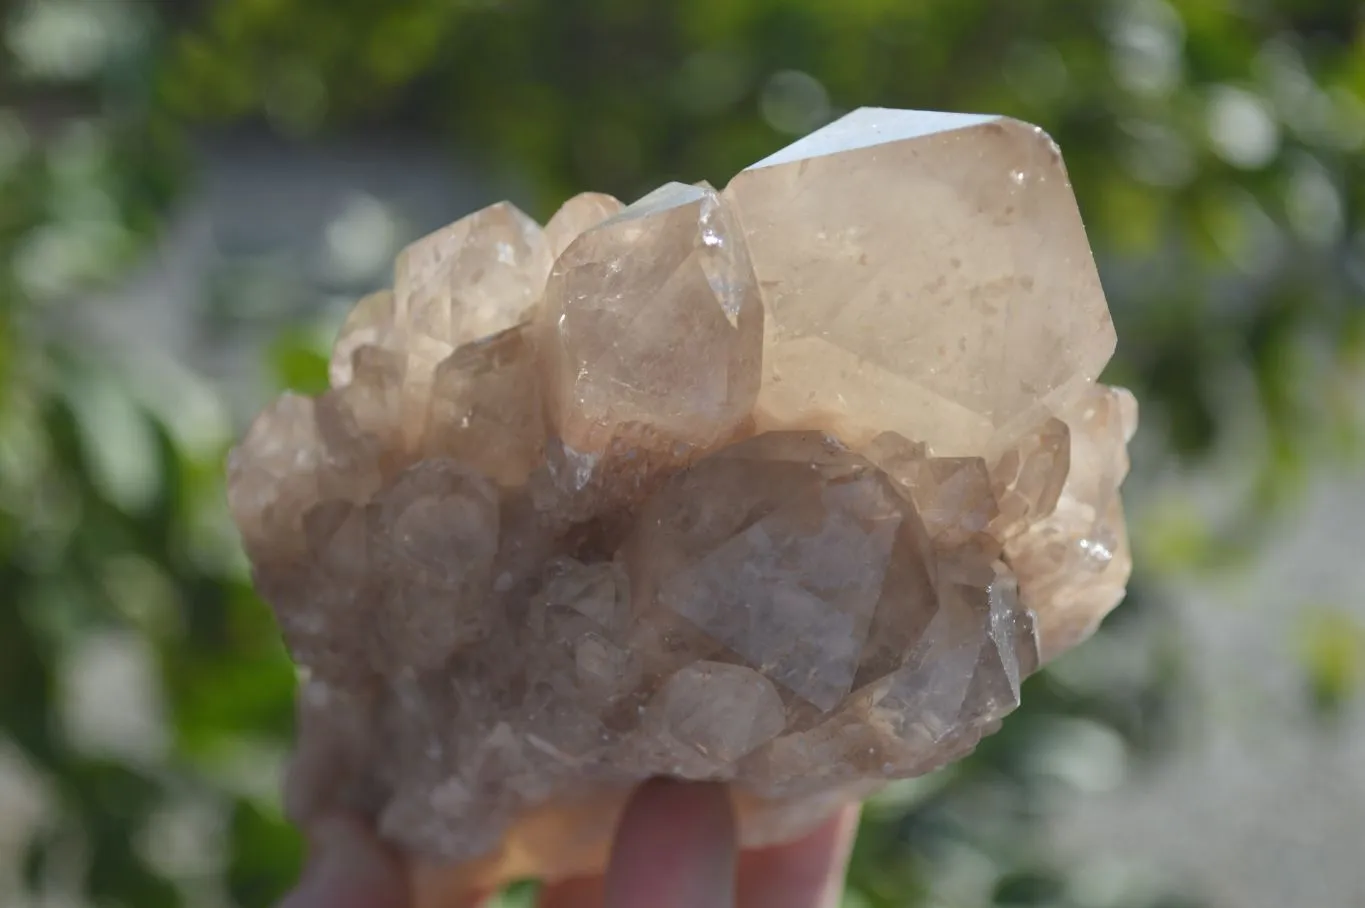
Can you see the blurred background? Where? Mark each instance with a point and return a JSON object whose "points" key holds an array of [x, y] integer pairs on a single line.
{"points": [[193, 192]]}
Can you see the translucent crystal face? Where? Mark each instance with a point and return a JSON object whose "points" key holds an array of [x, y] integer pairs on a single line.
{"points": [[789, 485], [923, 273], [652, 318]]}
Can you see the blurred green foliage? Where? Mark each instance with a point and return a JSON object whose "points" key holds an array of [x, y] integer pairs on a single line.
{"points": [[1216, 148], [1332, 647]]}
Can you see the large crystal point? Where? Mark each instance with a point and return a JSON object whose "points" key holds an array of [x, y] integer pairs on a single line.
{"points": [[789, 486], [923, 273], [653, 320]]}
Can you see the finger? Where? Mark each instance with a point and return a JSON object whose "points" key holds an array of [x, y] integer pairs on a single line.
{"points": [[807, 873], [348, 868], [674, 848], [584, 892]]}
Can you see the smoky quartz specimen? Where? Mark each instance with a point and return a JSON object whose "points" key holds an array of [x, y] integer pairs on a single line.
{"points": [[788, 485]]}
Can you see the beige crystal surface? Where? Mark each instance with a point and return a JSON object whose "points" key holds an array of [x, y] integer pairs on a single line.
{"points": [[923, 273], [653, 321], [585, 210], [789, 486]]}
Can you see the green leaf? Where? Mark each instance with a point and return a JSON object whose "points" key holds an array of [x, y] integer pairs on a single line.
{"points": [[266, 854], [297, 364], [1331, 649]]}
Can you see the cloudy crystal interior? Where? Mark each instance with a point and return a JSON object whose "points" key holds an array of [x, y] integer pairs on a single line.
{"points": [[789, 485]]}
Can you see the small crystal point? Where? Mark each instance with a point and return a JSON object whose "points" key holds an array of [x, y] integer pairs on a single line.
{"points": [[480, 275], [653, 320], [1028, 478], [432, 538], [485, 408], [273, 474], [483, 274], [953, 495], [718, 711], [368, 324], [322, 609], [370, 404], [1074, 564], [579, 214]]}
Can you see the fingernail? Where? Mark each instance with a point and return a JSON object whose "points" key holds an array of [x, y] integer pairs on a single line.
{"points": [[675, 848]]}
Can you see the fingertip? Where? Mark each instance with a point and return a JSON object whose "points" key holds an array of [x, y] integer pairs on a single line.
{"points": [[806, 873], [675, 847]]}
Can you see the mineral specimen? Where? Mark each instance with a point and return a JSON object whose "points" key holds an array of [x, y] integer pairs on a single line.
{"points": [[789, 485]]}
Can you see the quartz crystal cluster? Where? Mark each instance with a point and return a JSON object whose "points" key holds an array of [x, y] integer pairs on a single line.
{"points": [[788, 485]]}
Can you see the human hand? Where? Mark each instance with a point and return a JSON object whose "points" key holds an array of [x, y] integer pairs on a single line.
{"points": [[675, 848]]}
